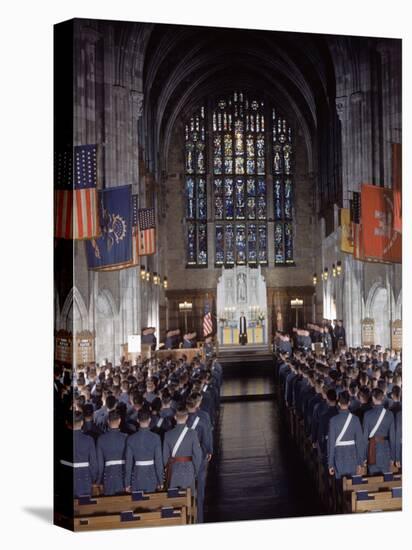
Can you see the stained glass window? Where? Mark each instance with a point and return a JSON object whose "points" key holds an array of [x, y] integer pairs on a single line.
{"points": [[282, 154], [196, 189], [244, 150], [239, 188]]}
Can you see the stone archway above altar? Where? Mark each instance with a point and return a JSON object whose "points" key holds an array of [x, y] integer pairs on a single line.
{"points": [[241, 290]]}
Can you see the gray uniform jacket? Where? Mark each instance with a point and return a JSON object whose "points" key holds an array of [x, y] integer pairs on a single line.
{"points": [[84, 451], [111, 450], [398, 437], [144, 464], [183, 473], [385, 450], [204, 432], [346, 454]]}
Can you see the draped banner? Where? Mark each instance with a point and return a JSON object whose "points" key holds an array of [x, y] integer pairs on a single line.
{"points": [[113, 249], [379, 240], [346, 243], [75, 196], [397, 186]]}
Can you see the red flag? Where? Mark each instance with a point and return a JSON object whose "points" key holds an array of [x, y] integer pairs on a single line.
{"points": [[379, 240], [397, 186]]}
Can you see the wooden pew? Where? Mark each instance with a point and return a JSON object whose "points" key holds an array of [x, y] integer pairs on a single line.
{"points": [[379, 501], [128, 519], [137, 502], [366, 483], [371, 483]]}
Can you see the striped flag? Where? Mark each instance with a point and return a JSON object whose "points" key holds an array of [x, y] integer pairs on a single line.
{"points": [[207, 321], [76, 210], [147, 231]]}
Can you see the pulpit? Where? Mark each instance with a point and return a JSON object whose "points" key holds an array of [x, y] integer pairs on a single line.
{"points": [[241, 290]]}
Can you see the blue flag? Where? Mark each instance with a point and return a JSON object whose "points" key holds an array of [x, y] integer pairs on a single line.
{"points": [[113, 249]]}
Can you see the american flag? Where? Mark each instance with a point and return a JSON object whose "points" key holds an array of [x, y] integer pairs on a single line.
{"points": [[147, 231], [76, 210], [207, 321]]}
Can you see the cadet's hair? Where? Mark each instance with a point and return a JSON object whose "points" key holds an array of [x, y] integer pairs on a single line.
{"points": [[382, 384], [137, 399], [196, 395], [377, 394], [88, 410], [331, 395], [344, 398], [111, 402], [156, 404], [191, 401], [181, 411], [396, 392], [143, 415], [114, 416]]}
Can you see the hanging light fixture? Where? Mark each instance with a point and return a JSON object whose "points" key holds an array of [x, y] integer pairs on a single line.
{"points": [[325, 274], [147, 275], [339, 267], [165, 282], [142, 272], [315, 279], [333, 270]]}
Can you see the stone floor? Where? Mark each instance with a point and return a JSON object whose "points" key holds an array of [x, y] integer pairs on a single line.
{"points": [[255, 473]]}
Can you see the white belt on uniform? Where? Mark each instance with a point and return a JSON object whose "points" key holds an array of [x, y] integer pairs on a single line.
{"points": [[144, 462], [114, 462], [75, 464], [344, 443]]}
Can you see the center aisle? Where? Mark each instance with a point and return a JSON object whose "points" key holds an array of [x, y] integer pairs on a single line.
{"points": [[255, 472]]}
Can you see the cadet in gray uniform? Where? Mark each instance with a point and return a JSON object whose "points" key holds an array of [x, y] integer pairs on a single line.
{"points": [[398, 439], [144, 464], [204, 433], [379, 436], [84, 465], [111, 450], [345, 441], [182, 453]]}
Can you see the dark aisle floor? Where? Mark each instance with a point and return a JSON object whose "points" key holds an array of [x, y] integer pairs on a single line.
{"points": [[254, 473]]}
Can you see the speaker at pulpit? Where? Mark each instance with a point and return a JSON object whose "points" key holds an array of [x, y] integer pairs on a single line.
{"points": [[241, 307]]}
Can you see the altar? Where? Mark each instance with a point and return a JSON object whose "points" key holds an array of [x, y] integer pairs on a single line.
{"points": [[241, 290]]}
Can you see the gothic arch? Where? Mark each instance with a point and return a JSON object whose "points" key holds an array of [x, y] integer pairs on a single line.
{"points": [[398, 306], [378, 309], [74, 307], [370, 298], [106, 326]]}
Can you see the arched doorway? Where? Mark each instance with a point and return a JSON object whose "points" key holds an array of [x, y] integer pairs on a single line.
{"points": [[380, 313], [105, 327]]}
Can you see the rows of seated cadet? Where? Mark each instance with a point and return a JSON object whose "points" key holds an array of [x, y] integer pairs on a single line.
{"points": [[134, 425], [350, 405]]}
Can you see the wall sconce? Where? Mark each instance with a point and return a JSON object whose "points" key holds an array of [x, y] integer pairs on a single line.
{"points": [[147, 276], [339, 267], [165, 282], [142, 272], [333, 270], [315, 279]]}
